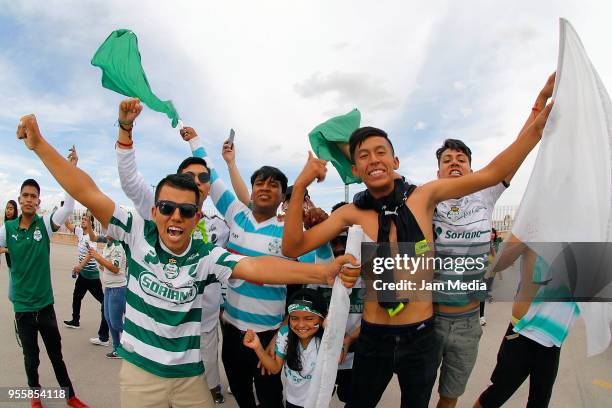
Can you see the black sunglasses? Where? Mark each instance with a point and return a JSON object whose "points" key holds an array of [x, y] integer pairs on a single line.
{"points": [[204, 177], [167, 208]]}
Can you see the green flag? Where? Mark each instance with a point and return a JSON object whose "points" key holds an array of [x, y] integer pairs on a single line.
{"points": [[122, 72], [324, 139]]}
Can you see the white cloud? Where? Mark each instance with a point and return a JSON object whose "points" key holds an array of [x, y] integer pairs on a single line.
{"points": [[33, 173], [420, 125], [459, 86], [274, 70]]}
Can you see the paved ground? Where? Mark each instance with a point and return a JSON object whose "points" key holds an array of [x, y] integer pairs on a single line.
{"points": [[581, 382]]}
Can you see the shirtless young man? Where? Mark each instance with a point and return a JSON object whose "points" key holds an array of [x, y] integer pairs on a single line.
{"points": [[400, 340]]}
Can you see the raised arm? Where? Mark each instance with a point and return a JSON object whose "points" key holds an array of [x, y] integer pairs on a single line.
{"points": [[240, 187], [73, 180], [62, 214], [539, 104], [224, 200], [272, 363], [69, 225], [296, 241], [498, 169], [132, 182]]}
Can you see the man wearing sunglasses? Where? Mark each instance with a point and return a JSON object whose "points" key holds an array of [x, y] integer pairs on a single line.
{"points": [[168, 271], [209, 229], [255, 231]]}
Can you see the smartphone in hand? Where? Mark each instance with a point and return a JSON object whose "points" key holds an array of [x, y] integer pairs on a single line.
{"points": [[231, 137]]}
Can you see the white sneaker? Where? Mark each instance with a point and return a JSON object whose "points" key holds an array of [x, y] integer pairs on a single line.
{"points": [[98, 342], [483, 321]]}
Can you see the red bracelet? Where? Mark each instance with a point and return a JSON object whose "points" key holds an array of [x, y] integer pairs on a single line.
{"points": [[125, 144]]}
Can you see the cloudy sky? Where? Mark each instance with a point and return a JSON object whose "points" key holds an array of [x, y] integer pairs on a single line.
{"points": [[273, 70]]}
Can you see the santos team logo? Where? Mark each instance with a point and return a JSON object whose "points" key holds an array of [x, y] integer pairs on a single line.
{"points": [[274, 247], [170, 269], [453, 213], [152, 286], [37, 235]]}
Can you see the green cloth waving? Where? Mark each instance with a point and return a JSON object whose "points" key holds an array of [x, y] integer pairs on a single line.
{"points": [[122, 72], [324, 137]]}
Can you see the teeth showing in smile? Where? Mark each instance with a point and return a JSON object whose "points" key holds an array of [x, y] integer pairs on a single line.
{"points": [[455, 173], [375, 172], [264, 197], [174, 231]]}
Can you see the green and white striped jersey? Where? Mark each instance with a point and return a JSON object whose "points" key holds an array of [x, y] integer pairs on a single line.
{"points": [[161, 332]]}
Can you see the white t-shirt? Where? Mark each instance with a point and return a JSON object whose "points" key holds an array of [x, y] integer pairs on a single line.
{"points": [[463, 229], [114, 253], [90, 270], [297, 384]]}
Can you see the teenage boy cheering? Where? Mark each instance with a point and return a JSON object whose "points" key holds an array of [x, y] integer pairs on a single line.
{"points": [[462, 226]]}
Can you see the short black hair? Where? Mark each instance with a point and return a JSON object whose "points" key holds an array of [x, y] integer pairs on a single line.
{"points": [[31, 183], [338, 205], [290, 191], [189, 161], [269, 172], [363, 133], [181, 182], [454, 144]]}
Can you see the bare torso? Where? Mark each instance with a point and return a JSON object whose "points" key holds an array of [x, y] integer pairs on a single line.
{"points": [[368, 219]]}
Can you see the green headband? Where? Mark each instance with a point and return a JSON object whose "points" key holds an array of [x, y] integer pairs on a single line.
{"points": [[301, 307]]}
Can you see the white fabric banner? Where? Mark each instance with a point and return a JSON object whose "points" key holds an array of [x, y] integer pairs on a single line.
{"points": [[324, 376], [569, 195]]}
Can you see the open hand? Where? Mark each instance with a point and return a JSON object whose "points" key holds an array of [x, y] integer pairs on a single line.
{"points": [[540, 120], [547, 91]]}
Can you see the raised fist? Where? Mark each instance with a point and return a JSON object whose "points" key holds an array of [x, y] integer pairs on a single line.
{"points": [[251, 340], [27, 130], [188, 133], [315, 169], [129, 109]]}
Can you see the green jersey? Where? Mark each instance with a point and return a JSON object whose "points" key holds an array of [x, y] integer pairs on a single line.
{"points": [[30, 269], [161, 332]]}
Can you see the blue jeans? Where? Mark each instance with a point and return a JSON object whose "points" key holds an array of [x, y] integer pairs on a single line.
{"points": [[114, 309]]}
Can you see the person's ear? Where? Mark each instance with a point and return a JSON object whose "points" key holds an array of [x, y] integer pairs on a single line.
{"points": [[396, 163]]}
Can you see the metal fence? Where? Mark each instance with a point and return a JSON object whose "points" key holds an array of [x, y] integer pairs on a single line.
{"points": [[503, 217]]}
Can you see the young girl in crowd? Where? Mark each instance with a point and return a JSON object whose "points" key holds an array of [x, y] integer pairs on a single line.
{"points": [[10, 213], [297, 346]]}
